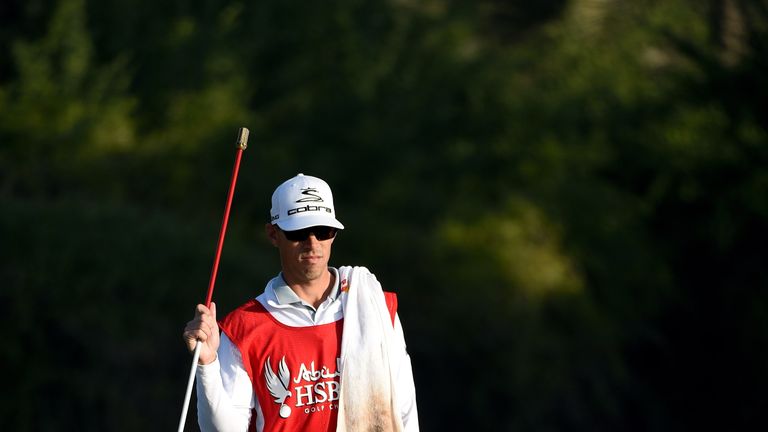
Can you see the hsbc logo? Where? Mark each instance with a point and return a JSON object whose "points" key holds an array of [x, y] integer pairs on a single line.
{"points": [[313, 390]]}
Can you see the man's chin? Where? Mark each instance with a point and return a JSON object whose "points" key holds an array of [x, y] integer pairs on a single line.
{"points": [[314, 271]]}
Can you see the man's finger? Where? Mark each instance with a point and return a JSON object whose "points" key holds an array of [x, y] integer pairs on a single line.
{"points": [[202, 310]]}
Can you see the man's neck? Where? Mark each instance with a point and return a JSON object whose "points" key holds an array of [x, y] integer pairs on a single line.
{"points": [[313, 291]]}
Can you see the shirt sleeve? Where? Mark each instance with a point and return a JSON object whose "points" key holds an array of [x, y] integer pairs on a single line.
{"points": [[406, 389], [224, 391]]}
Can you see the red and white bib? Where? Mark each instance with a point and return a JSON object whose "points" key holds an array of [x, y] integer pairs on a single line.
{"points": [[294, 370]]}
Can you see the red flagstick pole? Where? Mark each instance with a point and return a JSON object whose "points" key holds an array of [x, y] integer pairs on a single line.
{"points": [[242, 143]]}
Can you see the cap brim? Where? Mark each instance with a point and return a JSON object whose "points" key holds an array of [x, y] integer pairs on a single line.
{"points": [[297, 223]]}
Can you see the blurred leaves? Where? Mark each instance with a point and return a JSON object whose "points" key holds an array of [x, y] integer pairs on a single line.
{"points": [[570, 198], [521, 248]]}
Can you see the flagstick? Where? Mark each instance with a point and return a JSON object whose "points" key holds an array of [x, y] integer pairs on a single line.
{"points": [[190, 383], [242, 143]]}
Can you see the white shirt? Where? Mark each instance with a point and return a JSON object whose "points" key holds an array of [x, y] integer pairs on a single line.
{"points": [[225, 393]]}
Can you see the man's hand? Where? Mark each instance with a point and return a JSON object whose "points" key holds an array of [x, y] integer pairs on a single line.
{"points": [[204, 328]]}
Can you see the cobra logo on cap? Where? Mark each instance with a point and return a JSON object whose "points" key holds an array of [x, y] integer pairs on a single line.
{"points": [[311, 195]]}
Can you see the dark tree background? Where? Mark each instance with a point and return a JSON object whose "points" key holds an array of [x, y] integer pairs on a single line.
{"points": [[569, 197]]}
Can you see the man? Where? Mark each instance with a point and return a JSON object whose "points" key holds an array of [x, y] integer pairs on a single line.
{"points": [[321, 349]]}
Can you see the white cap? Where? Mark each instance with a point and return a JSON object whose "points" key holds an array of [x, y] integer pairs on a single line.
{"points": [[302, 202]]}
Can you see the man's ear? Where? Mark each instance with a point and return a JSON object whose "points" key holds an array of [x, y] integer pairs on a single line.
{"points": [[272, 233]]}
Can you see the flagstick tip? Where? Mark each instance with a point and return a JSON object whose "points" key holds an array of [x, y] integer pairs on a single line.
{"points": [[242, 138]]}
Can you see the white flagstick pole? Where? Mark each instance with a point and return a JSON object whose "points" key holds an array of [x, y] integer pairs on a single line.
{"points": [[190, 384], [242, 143]]}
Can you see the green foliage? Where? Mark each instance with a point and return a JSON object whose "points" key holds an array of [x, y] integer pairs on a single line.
{"points": [[569, 197]]}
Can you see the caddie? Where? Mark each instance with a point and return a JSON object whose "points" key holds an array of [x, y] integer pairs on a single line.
{"points": [[321, 349]]}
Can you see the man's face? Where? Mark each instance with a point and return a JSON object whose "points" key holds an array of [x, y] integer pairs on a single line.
{"points": [[303, 261]]}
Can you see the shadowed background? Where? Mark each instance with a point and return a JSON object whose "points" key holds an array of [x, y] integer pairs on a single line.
{"points": [[569, 197]]}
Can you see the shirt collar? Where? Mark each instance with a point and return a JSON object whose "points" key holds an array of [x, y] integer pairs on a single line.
{"points": [[285, 295]]}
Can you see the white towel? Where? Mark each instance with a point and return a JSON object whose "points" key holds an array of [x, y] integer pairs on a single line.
{"points": [[367, 400]]}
